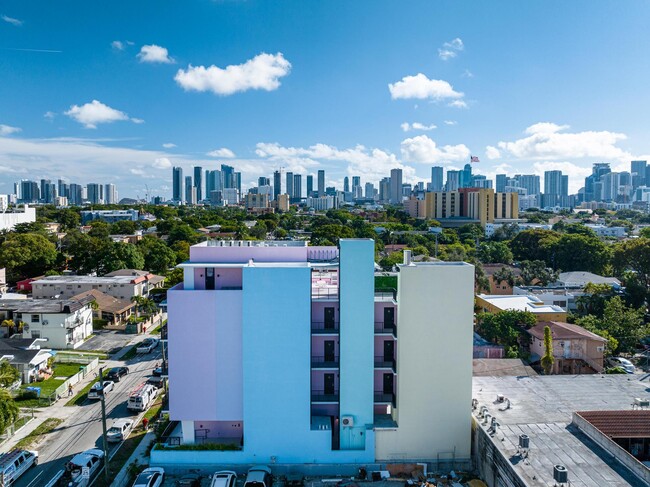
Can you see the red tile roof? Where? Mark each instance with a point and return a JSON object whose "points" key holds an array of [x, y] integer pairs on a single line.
{"points": [[563, 331], [634, 423]]}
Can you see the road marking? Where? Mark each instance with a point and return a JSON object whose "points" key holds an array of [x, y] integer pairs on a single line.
{"points": [[35, 479]]}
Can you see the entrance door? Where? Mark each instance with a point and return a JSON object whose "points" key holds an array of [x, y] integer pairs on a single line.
{"points": [[388, 384], [389, 317], [329, 384], [329, 351], [209, 278], [329, 318], [389, 351]]}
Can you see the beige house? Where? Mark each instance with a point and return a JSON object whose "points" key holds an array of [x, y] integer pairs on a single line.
{"points": [[115, 311], [576, 350]]}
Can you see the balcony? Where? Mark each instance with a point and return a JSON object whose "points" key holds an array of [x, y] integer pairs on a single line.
{"points": [[382, 363], [325, 293], [325, 328], [384, 398], [386, 294], [320, 362], [385, 328], [323, 397]]}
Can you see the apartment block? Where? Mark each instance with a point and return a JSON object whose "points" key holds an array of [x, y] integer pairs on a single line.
{"points": [[288, 354], [123, 284]]}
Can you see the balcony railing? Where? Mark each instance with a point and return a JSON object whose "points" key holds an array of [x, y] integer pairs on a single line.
{"points": [[324, 328], [318, 292], [384, 398], [386, 293], [322, 396], [386, 327], [382, 363], [320, 362]]}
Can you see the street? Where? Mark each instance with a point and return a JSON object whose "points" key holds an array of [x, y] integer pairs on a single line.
{"points": [[83, 430]]}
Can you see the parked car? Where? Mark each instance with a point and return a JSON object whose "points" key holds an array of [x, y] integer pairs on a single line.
{"points": [[159, 371], [259, 476], [92, 459], [150, 477], [116, 373], [15, 463], [225, 478], [189, 480], [623, 363], [147, 345], [157, 381], [95, 391], [119, 431]]}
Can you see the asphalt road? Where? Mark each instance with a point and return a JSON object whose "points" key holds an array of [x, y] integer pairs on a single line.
{"points": [[83, 430]]}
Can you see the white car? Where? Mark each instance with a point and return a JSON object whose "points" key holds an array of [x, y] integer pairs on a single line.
{"points": [[147, 345], [224, 478], [623, 363], [95, 391], [119, 431], [150, 477]]}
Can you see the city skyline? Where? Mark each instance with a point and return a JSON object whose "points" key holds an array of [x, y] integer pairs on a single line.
{"points": [[297, 98]]}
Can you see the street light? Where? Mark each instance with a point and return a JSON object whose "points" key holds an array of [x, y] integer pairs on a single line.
{"points": [[101, 395]]}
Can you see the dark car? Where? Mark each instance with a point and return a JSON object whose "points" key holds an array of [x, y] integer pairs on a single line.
{"points": [[189, 480], [159, 371], [156, 381], [116, 373]]}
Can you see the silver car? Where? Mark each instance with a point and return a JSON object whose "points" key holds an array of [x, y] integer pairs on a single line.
{"points": [[120, 430]]}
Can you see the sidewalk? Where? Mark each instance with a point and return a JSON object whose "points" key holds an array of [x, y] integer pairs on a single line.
{"points": [[139, 454]]}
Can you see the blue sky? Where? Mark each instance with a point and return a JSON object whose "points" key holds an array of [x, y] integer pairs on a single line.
{"points": [[354, 88]]}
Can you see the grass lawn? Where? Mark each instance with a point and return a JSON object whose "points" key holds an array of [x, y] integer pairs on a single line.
{"points": [[62, 369], [48, 386], [82, 395], [39, 433]]}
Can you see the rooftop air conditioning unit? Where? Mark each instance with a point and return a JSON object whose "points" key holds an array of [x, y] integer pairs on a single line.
{"points": [[347, 421], [560, 474], [642, 403]]}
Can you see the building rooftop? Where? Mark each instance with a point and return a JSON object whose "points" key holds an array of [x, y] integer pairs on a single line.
{"points": [[497, 367], [620, 424], [117, 279], [106, 302], [66, 306], [581, 279], [252, 243], [542, 408], [521, 302], [563, 331]]}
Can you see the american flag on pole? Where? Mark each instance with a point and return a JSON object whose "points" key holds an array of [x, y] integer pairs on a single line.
{"points": [[473, 159]]}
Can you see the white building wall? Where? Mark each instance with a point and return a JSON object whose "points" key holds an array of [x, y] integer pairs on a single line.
{"points": [[62, 331], [9, 220], [434, 365]]}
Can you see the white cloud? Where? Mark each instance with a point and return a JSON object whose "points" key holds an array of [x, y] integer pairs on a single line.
{"points": [[152, 53], [467, 74], [168, 145], [451, 122], [492, 152], [8, 130], [422, 149], [49, 115], [11, 20], [138, 172], [223, 152], [93, 113], [450, 49], [417, 126], [421, 87], [547, 140], [162, 163], [263, 72], [458, 104], [119, 45]]}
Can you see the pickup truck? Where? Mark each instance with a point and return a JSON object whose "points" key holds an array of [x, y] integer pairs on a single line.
{"points": [[81, 470], [147, 345]]}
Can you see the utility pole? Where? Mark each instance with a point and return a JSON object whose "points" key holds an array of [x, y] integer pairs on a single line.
{"points": [[101, 381]]}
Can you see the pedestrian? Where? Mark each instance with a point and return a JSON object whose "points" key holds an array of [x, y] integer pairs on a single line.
{"points": [[69, 390], [145, 424]]}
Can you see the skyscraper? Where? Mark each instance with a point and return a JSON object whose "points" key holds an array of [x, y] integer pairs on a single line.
{"points": [[110, 194], [198, 182], [593, 186], [95, 193], [262, 181], [227, 176], [384, 190], [237, 181], [465, 175], [436, 178], [556, 188], [346, 184], [501, 183], [177, 186], [297, 187], [530, 182], [44, 183], [321, 182], [638, 170], [453, 180], [370, 191], [212, 182], [277, 184], [190, 191], [289, 185], [310, 185], [356, 181], [395, 186]]}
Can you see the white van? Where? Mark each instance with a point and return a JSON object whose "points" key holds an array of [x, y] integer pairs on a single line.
{"points": [[14, 464], [141, 397]]}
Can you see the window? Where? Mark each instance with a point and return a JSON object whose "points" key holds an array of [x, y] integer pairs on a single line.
{"points": [[36, 334], [35, 318]]}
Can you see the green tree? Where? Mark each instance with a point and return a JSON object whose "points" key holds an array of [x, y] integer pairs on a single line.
{"points": [[494, 253], [548, 358], [470, 233], [634, 255], [387, 263], [158, 257], [8, 374], [27, 255], [123, 227], [9, 410], [645, 232], [593, 301], [576, 252], [536, 272], [121, 256], [330, 234], [506, 274], [507, 231], [182, 232], [533, 244], [99, 229], [504, 327]]}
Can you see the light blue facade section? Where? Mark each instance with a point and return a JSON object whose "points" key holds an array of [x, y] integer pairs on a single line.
{"points": [[357, 311]]}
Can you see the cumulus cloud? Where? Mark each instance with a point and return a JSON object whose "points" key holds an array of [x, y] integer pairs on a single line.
{"points": [[492, 152], [223, 152], [168, 145], [11, 20], [152, 53], [49, 115], [162, 163], [422, 149], [119, 45], [458, 104], [406, 127], [420, 87], [93, 113], [547, 140], [8, 130], [450, 49], [263, 72], [451, 122]]}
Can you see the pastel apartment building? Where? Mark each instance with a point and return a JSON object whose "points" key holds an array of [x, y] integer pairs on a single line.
{"points": [[286, 353]]}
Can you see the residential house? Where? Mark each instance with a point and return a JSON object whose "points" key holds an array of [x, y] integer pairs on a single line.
{"points": [[575, 350], [543, 312], [500, 287], [115, 311], [25, 285], [26, 356]]}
